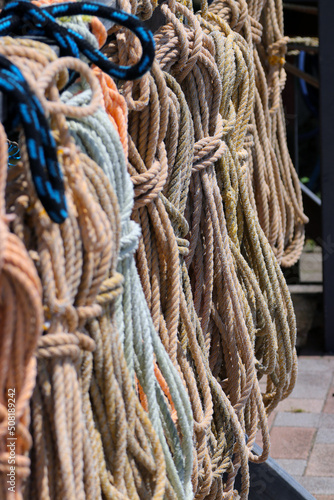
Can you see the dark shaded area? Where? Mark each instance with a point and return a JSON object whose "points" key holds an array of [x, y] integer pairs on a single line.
{"points": [[268, 481]]}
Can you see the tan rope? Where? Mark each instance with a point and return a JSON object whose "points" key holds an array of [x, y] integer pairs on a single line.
{"points": [[219, 207], [21, 325], [239, 305], [91, 435]]}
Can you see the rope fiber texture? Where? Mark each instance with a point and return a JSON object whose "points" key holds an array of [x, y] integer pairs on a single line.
{"points": [[213, 284], [164, 302]]}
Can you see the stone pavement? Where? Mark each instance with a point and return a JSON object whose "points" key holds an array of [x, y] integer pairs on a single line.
{"points": [[302, 428]]}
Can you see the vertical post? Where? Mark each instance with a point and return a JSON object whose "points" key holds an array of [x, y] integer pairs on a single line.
{"points": [[296, 134], [326, 66]]}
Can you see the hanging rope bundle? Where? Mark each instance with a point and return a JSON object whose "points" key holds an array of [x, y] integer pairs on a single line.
{"points": [[254, 283], [277, 193], [72, 261], [21, 315], [96, 136], [111, 383], [157, 329]]}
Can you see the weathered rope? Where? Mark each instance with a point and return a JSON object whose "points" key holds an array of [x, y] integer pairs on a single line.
{"points": [[97, 138], [239, 293], [21, 314], [187, 300]]}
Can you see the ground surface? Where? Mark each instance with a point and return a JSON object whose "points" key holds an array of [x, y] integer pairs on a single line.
{"points": [[302, 428]]}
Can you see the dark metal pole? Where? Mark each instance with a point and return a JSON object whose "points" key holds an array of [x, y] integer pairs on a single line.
{"points": [[301, 74], [301, 8], [326, 63], [296, 127]]}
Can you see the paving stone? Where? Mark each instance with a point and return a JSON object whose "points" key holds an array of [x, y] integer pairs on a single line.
{"points": [[313, 364], [327, 421], [321, 461], [318, 485], [325, 436], [272, 419], [291, 442], [313, 385], [324, 497], [329, 404], [289, 419], [306, 405], [329, 360], [293, 467]]}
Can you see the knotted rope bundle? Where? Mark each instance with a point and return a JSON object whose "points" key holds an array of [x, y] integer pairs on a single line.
{"points": [[239, 292], [275, 183], [96, 136], [73, 261], [76, 261], [21, 314], [206, 136], [112, 449]]}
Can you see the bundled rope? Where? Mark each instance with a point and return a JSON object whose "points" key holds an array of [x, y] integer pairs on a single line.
{"points": [[111, 384], [246, 284], [186, 301], [96, 137], [21, 315], [275, 183], [73, 262]]}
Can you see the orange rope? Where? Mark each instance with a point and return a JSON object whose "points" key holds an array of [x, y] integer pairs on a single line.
{"points": [[21, 319], [115, 106]]}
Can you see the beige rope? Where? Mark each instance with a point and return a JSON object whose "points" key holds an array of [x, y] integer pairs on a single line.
{"points": [[239, 306], [21, 325], [91, 436], [219, 206]]}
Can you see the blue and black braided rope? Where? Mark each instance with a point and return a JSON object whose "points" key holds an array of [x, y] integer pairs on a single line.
{"points": [[41, 146], [13, 153], [72, 43]]}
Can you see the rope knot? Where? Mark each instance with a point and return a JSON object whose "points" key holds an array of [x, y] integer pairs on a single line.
{"points": [[207, 151], [129, 241], [148, 185], [110, 289], [183, 246], [64, 345], [89, 311], [276, 52]]}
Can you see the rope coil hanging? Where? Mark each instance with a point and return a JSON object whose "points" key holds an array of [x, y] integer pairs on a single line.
{"points": [[158, 329]]}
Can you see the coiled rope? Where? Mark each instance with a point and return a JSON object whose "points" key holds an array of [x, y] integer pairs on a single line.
{"points": [[254, 313], [187, 300], [21, 314]]}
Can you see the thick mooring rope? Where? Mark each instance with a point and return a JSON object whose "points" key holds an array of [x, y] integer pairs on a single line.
{"points": [[242, 305], [157, 330], [21, 313]]}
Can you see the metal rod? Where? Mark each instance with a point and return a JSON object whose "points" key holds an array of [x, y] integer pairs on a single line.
{"points": [[305, 48], [301, 74], [310, 194], [295, 125], [301, 8]]}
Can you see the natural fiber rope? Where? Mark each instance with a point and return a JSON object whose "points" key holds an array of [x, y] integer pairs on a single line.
{"points": [[102, 330], [256, 286], [21, 315], [212, 181], [97, 137]]}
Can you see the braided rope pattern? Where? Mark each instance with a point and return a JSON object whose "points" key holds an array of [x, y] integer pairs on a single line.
{"points": [[158, 329]]}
